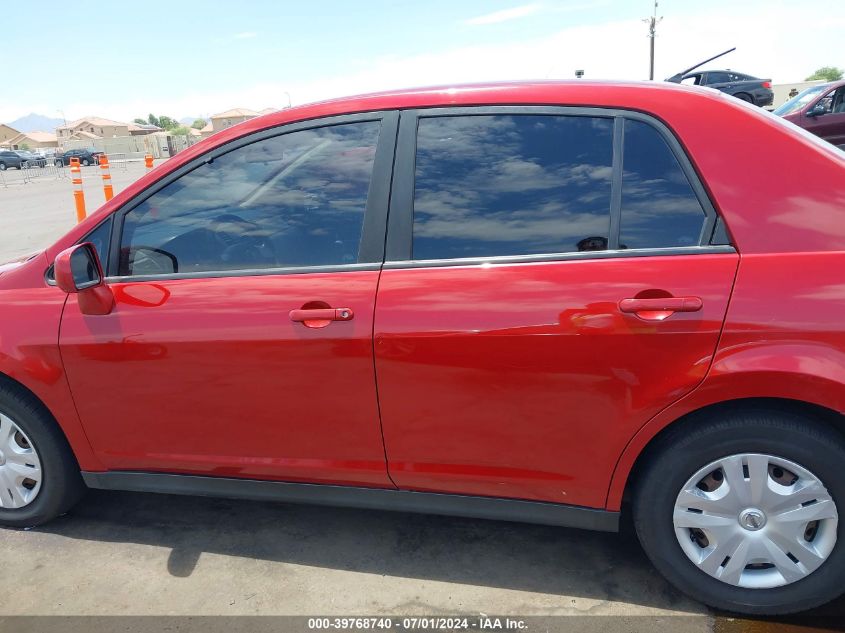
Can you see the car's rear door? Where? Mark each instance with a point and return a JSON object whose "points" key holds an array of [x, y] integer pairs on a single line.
{"points": [[550, 285], [240, 343]]}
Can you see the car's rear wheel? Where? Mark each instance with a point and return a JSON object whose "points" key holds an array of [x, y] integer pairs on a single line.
{"points": [[2, 166], [85, 162], [39, 477], [744, 97], [742, 512]]}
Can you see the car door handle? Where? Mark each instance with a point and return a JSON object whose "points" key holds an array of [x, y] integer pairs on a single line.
{"points": [[320, 317], [661, 304]]}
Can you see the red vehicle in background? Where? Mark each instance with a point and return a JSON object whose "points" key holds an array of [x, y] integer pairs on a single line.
{"points": [[544, 302], [819, 109]]}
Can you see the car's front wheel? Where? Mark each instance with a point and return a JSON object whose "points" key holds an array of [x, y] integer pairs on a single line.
{"points": [[742, 511], [2, 166], [39, 477]]}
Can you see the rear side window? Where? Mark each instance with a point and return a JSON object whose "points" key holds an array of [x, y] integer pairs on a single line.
{"points": [[499, 185], [718, 78], [659, 207]]}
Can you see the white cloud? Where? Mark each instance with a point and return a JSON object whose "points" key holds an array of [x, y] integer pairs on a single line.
{"points": [[505, 15], [246, 35]]}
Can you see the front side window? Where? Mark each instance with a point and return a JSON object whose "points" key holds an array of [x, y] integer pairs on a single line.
{"points": [[499, 185], [798, 101], [101, 238], [837, 104], [297, 199], [659, 207]]}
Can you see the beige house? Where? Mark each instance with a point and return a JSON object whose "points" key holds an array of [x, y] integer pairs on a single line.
{"points": [[136, 129], [230, 117], [7, 134], [207, 131], [34, 140], [92, 126]]}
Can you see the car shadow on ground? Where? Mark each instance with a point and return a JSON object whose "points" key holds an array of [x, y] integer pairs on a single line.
{"points": [[535, 558]]}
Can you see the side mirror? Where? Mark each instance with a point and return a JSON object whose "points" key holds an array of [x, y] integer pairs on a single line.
{"points": [[78, 271], [816, 110]]}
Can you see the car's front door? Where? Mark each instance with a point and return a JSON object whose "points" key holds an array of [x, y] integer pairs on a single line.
{"points": [[240, 340], [545, 293]]}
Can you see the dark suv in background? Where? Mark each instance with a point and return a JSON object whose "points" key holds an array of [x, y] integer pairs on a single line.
{"points": [[8, 159], [30, 159], [86, 157]]}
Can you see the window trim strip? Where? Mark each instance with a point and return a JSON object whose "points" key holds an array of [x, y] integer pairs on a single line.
{"points": [[563, 257]]}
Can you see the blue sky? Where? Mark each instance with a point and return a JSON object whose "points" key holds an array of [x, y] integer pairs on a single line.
{"points": [[197, 58]]}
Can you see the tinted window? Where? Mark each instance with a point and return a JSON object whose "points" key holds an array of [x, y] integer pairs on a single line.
{"points": [[100, 238], [292, 200], [511, 185], [718, 78], [659, 207]]}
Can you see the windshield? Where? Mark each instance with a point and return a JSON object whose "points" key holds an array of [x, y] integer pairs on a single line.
{"points": [[800, 100]]}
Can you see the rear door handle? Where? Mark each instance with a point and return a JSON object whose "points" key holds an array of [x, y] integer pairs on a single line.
{"points": [[661, 304], [320, 317]]}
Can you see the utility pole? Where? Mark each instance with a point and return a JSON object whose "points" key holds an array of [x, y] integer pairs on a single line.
{"points": [[652, 33]]}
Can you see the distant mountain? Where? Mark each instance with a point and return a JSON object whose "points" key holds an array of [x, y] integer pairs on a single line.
{"points": [[35, 122]]}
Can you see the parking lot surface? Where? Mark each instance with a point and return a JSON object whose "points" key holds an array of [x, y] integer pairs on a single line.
{"points": [[143, 554], [36, 206]]}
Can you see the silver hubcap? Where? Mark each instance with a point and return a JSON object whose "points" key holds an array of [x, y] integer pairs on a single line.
{"points": [[20, 466], [755, 521]]}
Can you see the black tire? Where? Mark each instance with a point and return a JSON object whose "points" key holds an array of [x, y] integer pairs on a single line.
{"points": [[744, 97], [680, 454], [2, 166], [61, 483], [85, 162]]}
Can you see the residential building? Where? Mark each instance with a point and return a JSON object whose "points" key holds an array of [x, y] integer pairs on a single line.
{"points": [[34, 140], [207, 131], [7, 134], [138, 129], [98, 127], [231, 117]]}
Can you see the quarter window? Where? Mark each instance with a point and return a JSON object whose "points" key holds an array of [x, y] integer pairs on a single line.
{"points": [[659, 207], [498, 185], [297, 199]]}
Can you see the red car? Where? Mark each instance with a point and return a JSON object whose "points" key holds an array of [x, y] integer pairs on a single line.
{"points": [[543, 302], [819, 109]]}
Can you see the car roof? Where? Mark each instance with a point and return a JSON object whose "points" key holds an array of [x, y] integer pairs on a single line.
{"points": [[575, 92]]}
